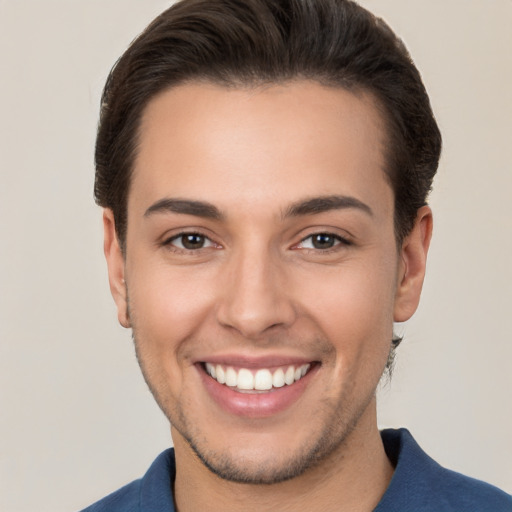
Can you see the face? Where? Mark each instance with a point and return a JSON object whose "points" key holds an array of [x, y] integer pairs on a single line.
{"points": [[261, 276]]}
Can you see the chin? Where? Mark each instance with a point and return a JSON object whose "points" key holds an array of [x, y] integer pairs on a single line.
{"points": [[259, 465], [266, 458]]}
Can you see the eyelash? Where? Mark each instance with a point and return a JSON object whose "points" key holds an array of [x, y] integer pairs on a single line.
{"points": [[337, 239], [169, 242]]}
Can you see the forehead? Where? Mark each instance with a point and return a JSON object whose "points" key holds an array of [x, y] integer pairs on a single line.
{"points": [[252, 146]]}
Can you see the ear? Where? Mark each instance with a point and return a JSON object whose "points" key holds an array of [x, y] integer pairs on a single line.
{"points": [[411, 270], [115, 264]]}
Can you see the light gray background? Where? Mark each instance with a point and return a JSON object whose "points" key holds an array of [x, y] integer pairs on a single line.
{"points": [[76, 420]]}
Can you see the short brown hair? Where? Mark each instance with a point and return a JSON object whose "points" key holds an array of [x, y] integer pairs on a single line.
{"points": [[251, 42]]}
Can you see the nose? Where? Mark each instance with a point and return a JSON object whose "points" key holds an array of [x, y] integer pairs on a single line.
{"points": [[256, 297]]}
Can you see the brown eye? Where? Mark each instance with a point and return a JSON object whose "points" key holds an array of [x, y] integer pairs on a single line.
{"points": [[190, 241], [323, 241]]}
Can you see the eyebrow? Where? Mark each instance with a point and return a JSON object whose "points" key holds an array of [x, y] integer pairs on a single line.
{"points": [[311, 206], [185, 207], [316, 205]]}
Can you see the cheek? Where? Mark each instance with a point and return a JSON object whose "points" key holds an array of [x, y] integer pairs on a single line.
{"points": [[167, 304], [354, 309], [166, 308]]}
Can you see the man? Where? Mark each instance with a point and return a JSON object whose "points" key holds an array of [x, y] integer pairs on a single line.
{"points": [[264, 168]]}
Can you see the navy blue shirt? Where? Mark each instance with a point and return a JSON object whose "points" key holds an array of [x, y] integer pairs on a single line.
{"points": [[419, 484]]}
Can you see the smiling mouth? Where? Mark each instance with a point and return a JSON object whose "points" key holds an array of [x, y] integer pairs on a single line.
{"points": [[245, 380]]}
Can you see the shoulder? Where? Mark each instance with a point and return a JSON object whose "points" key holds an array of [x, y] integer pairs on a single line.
{"points": [[421, 484], [125, 499], [152, 492]]}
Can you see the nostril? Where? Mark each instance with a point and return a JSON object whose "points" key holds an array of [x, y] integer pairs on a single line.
{"points": [[253, 320]]}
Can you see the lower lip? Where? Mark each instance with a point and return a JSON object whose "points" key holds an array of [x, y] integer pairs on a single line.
{"points": [[257, 404]]}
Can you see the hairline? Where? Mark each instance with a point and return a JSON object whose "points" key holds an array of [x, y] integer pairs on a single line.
{"points": [[255, 83]]}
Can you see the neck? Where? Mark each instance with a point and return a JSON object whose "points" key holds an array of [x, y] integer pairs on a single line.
{"points": [[353, 478]]}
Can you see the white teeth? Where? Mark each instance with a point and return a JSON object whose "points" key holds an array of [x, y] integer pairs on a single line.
{"points": [[211, 370], [245, 379], [289, 376], [278, 378], [262, 380], [231, 378], [221, 374]]}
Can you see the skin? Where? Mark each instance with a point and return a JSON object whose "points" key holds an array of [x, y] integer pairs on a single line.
{"points": [[260, 287]]}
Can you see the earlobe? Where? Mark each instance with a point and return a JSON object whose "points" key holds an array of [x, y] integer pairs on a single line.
{"points": [[116, 267], [413, 259]]}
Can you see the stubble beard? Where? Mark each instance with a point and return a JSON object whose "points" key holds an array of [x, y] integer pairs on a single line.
{"points": [[233, 469], [328, 443]]}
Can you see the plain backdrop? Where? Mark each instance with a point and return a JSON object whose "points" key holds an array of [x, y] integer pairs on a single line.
{"points": [[76, 419]]}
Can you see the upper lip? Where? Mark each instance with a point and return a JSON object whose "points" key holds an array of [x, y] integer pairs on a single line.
{"points": [[245, 361]]}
